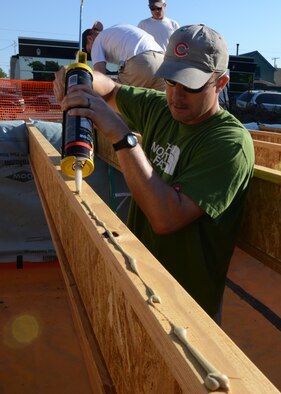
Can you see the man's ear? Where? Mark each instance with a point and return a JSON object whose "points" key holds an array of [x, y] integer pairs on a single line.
{"points": [[222, 82]]}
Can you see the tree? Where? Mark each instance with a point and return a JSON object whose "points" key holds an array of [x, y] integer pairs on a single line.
{"points": [[44, 72], [3, 74]]}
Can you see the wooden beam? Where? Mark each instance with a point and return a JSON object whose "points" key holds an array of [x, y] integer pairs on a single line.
{"points": [[266, 136], [268, 174], [268, 154], [136, 338], [260, 233]]}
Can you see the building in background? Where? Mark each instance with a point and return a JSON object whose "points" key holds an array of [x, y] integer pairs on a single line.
{"points": [[241, 73], [264, 70], [38, 59]]}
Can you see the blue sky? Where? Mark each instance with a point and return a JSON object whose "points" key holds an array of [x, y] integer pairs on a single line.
{"points": [[253, 24]]}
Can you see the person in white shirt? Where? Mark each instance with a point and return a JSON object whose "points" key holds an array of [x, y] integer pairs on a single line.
{"points": [[159, 26], [135, 51]]}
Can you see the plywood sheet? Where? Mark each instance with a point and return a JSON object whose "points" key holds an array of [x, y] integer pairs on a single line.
{"points": [[268, 136], [268, 154], [261, 227]]}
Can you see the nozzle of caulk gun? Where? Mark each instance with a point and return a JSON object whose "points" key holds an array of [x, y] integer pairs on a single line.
{"points": [[78, 175]]}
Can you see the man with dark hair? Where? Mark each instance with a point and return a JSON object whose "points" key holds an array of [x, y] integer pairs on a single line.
{"points": [[95, 29], [159, 26], [190, 176]]}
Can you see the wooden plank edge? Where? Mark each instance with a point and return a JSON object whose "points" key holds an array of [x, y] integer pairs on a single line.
{"points": [[273, 146], [267, 134], [267, 174]]}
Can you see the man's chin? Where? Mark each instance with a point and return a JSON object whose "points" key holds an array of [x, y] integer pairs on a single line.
{"points": [[179, 114]]}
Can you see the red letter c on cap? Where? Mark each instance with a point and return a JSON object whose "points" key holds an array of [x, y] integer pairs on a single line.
{"points": [[181, 49]]}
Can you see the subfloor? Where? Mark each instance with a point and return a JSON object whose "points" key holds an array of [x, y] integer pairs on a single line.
{"points": [[40, 351], [39, 348], [252, 313]]}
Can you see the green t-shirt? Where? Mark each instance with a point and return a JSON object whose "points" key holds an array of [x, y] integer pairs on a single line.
{"points": [[212, 163]]}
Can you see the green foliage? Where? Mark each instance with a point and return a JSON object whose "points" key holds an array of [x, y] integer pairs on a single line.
{"points": [[3, 74], [44, 72]]}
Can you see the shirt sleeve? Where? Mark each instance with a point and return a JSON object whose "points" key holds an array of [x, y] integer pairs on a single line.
{"points": [[97, 52], [217, 173]]}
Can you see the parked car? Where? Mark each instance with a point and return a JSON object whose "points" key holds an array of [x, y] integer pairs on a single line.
{"points": [[269, 100]]}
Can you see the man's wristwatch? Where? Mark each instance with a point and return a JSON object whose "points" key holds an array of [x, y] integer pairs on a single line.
{"points": [[129, 141]]}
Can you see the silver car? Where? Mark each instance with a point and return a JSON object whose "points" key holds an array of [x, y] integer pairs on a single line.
{"points": [[269, 100]]}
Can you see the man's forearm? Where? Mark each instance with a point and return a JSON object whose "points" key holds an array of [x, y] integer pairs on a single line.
{"points": [[106, 87]]}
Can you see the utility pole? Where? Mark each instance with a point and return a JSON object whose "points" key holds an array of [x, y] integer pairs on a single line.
{"points": [[274, 60]]}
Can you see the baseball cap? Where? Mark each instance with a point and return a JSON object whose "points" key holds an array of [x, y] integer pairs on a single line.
{"points": [[156, 3], [97, 27], [193, 54]]}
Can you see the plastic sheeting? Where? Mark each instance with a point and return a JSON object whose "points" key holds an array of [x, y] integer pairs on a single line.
{"points": [[23, 227]]}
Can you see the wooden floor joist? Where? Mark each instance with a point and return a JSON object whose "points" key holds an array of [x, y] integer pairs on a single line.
{"points": [[268, 136], [260, 234], [136, 342], [268, 154]]}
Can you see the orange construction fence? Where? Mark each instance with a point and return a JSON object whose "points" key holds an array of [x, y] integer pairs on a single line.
{"points": [[23, 100]]}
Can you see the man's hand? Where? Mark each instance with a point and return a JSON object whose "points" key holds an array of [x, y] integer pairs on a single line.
{"points": [[59, 83], [81, 100]]}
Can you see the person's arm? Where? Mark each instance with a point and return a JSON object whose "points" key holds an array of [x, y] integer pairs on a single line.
{"points": [[101, 67], [166, 209], [102, 85]]}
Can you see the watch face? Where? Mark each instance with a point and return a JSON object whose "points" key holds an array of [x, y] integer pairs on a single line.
{"points": [[129, 141], [132, 140]]}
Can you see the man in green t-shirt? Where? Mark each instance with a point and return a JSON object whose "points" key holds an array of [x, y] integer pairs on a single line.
{"points": [[190, 176]]}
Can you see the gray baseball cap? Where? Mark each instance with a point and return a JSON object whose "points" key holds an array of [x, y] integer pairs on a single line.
{"points": [[193, 54]]}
